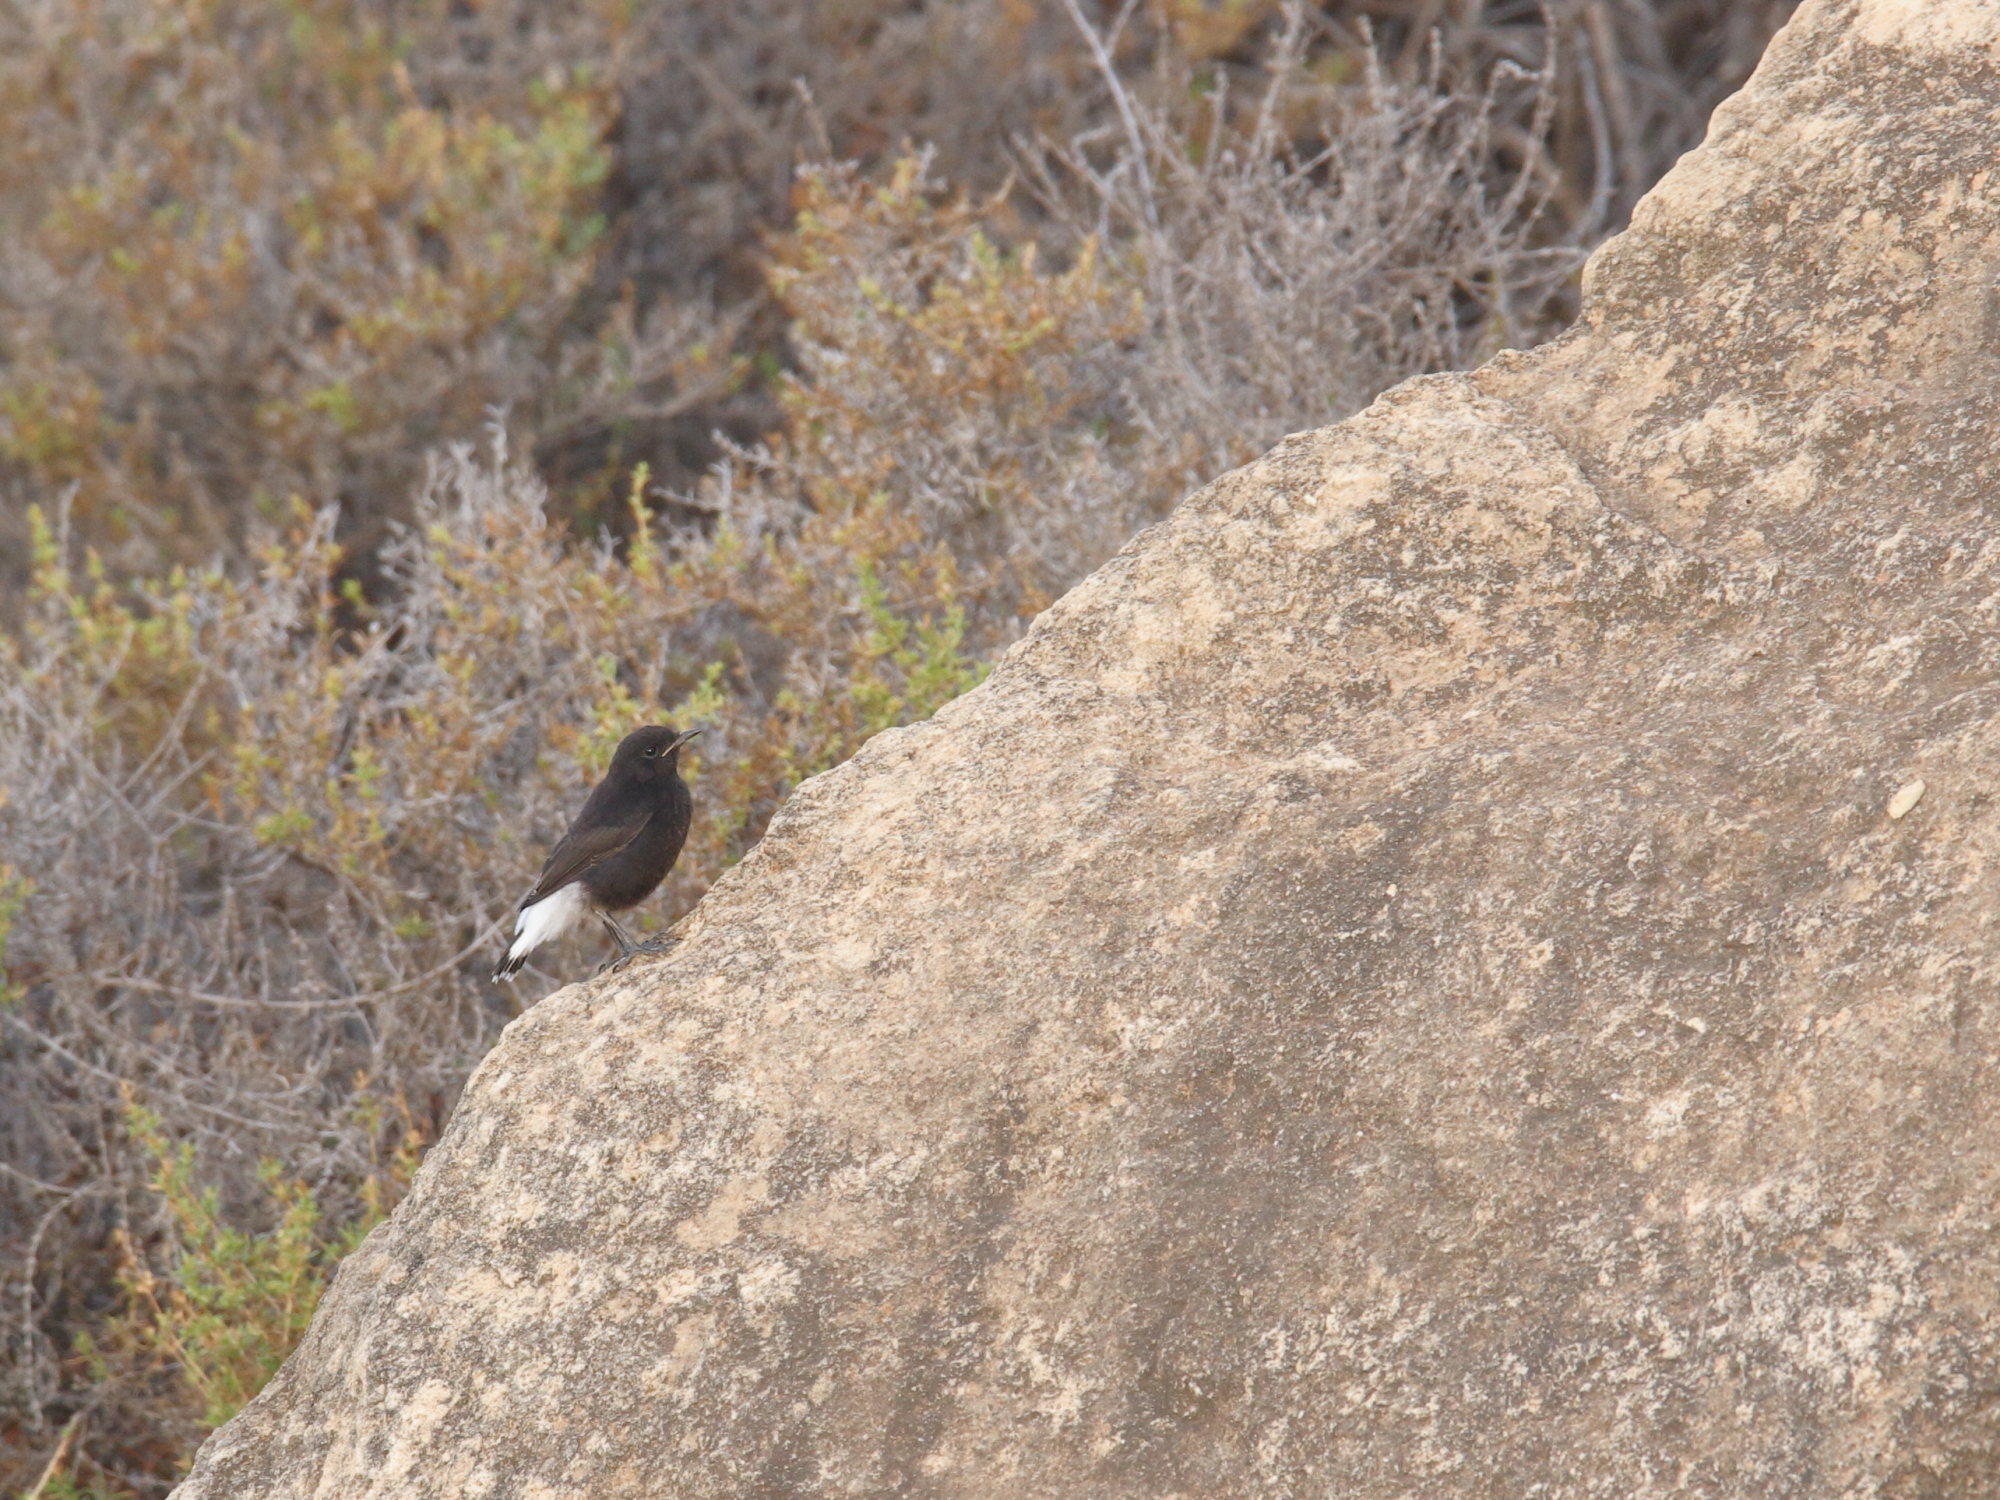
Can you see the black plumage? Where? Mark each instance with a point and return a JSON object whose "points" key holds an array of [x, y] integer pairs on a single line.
{"points": [[618, 850]]}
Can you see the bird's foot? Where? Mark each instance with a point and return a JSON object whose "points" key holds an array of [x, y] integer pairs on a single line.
{"points": [[651, 948]]}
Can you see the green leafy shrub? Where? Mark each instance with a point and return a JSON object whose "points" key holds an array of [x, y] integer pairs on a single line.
{"points": [[15, 888], [234, 1303]]}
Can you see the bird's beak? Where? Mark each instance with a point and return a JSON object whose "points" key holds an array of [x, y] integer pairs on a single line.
{"points": [[683, 738]]}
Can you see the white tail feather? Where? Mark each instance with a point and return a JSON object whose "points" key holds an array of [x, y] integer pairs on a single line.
{"points": [[547, 920]]}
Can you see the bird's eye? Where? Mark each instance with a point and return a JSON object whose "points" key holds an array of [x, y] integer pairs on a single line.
{"points": [[651, 751]]}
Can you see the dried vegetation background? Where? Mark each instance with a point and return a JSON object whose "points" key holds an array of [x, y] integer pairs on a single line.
{"points": [[401, 401]]}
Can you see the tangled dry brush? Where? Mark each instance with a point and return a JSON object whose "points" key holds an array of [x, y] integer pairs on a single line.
{"points": [[304, 666]]}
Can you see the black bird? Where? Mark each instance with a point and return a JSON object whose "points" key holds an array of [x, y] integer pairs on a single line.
{"points": [[617, 851]]}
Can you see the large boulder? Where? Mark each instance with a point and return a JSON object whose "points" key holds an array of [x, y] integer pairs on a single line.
{"points": [[1460, 964]]}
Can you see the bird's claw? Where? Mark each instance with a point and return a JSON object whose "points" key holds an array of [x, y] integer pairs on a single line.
{"points": [[651, 948]]}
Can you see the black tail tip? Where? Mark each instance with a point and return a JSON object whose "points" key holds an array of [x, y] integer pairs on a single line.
{"points": [[507, 968]]}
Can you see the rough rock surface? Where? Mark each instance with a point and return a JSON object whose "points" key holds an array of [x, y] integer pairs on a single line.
{"points": [[1428, 975]]}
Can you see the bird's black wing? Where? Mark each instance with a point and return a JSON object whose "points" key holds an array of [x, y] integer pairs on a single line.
{"points": [[588, 841]]}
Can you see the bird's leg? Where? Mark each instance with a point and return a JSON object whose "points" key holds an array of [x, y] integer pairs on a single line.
{"points": [[626, 947]]}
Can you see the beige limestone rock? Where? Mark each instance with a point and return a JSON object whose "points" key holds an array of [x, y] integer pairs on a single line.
{"points": [[1404, 984]]}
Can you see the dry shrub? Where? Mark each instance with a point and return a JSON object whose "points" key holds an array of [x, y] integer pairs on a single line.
{"points": [[1634, 79], [1303, 245], [714, 117], [256, 252], [1226, 271], [251, 252], [712, 122], [969, 388]]}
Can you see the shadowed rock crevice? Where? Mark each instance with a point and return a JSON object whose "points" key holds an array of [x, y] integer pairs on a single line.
{"points": [[1430, 973]]}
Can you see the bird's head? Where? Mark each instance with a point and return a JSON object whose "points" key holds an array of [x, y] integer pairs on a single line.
{"points": [[651, 751]]}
